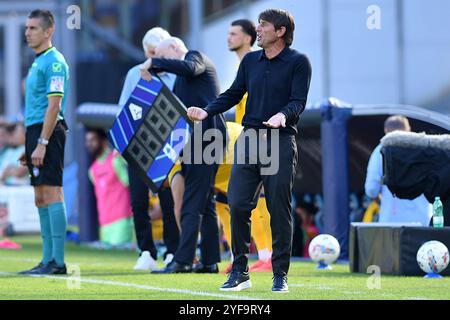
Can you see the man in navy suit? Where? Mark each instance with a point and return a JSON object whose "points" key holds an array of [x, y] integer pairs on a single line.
{"points": [[196, 84]]}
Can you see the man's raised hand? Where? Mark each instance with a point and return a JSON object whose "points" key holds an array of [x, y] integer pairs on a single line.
{"points": [[196, 114]]}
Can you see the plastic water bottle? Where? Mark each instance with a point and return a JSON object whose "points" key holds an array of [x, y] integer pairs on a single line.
{"points": [[438, 213]]}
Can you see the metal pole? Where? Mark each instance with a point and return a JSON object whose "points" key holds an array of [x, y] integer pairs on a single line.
{"points": [[12, 78], [400, 51], [326, 47], [68, 48], [195, 24]]}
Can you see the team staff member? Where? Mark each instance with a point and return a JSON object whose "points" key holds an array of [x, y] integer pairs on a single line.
{"points": [[45, 99], [277, 81], [196, 83], [138, 189]]}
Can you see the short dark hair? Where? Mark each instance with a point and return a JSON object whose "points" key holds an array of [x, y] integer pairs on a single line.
{"points": [[280, 18], [47, 19], [99, 132], [248, 27]]}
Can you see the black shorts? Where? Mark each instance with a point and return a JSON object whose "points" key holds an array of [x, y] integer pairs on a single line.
{"points": [[51, 173]]}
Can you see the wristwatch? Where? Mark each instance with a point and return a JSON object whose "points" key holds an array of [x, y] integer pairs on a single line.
{"points": [[43, 141]]}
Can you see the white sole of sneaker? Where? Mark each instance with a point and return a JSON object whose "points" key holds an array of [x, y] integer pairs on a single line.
{"points": [[145, 267], [152, 268], [242, 286]]}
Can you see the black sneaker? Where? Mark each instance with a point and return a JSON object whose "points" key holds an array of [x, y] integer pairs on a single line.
{"points": [[53, 268], [34, 269], [237, 281], [175, 267], [206, 268], [280, 284]]}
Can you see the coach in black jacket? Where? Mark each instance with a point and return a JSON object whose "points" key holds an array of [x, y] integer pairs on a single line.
{"points": [[196, 84]]}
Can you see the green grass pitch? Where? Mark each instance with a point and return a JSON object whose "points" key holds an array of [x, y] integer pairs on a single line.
{"points": [[109, 275]]}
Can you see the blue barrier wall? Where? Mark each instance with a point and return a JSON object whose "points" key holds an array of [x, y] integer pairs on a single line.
{"points": [[335, 115]]}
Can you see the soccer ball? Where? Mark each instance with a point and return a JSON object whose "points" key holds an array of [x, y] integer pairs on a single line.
{"points": [[324, 249], [432, 257]]}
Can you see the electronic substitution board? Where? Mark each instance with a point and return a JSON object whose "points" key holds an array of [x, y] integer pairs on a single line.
{"points": [[151, 131]]}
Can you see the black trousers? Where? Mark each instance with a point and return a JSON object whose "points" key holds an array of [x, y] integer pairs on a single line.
{"points": [[171, 233], [246, 181], [198, 214], [142, 222]]}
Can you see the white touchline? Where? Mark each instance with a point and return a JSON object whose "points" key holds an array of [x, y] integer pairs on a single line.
{"points": [[337, 289], [140, 286], [78, 263], [312, 286]]}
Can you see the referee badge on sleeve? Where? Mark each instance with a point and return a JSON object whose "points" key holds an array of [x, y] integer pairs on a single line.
{"points": [[57, 84]]}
